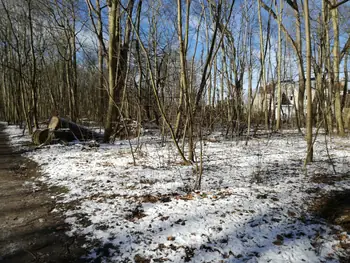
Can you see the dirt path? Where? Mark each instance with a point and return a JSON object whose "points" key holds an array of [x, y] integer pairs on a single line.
{"points": [[29, 231]]}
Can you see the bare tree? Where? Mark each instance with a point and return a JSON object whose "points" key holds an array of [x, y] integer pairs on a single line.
{"points": [[96, 11], [279, 59], [118, 51], [309, 156], [336, 62]]}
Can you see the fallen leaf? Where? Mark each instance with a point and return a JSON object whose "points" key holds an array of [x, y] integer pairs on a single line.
{"points": [[279, 237], [140, 259], [164, 218], [187, 197], [342, 237], [278, 242], [291, 213]]}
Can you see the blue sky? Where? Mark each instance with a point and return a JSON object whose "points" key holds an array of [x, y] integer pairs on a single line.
{"points": [[166, 24]]}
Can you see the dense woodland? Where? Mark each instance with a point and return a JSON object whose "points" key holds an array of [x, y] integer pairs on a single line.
{"points": [[188, 67]]}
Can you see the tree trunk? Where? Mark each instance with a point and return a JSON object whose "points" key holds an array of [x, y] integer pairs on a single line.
{"points": [[113, 42], [309, 155], [279, 58], [336, 60], [33, 111], [329, 81], [262, 65]]}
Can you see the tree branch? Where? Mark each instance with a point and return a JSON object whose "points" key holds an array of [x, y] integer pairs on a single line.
{"points": [[273, 14], [336, 5], [345, 49]]}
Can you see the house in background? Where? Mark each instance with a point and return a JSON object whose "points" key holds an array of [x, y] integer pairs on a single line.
{"points": [[290, 96], [287, 107]]}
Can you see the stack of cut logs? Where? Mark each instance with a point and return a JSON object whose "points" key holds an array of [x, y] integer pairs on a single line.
{"points": [[64, 130]]}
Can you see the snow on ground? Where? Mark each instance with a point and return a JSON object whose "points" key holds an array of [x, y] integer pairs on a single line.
{"points": [[252, 206], [17, 137]]}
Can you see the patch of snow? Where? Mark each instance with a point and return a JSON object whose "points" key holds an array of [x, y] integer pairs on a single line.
{"points": [[252, 206], [17, 137]]}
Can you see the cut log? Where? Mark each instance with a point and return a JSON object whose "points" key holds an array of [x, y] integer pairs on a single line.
{"points": [[64, 135], [53, 123], [42, 136], [80, 132], [34, 136], [46, 136], [64, 130]]}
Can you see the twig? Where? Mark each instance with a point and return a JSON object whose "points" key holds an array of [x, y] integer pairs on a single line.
{"points": [[328, 155]]}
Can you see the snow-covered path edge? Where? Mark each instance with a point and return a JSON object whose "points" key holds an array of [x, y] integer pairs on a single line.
{"points": [[252, 208]]}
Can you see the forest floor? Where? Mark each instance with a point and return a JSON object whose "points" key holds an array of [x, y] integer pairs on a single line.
{"points": [[258, 203], [29, 232]]}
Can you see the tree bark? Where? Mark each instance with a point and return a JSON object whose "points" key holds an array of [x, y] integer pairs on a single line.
{"points": [[113, 42], [336, 60], [262, 65], [309, 155], [279, 58]]}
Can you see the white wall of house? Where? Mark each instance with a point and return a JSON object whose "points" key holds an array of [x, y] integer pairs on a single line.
{"points": [[290, 89]]}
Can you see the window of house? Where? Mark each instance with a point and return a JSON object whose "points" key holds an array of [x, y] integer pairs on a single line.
{"points": [[291, 97]]}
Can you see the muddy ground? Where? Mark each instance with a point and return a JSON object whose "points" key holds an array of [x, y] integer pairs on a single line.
{"points": [[29, 230]]}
